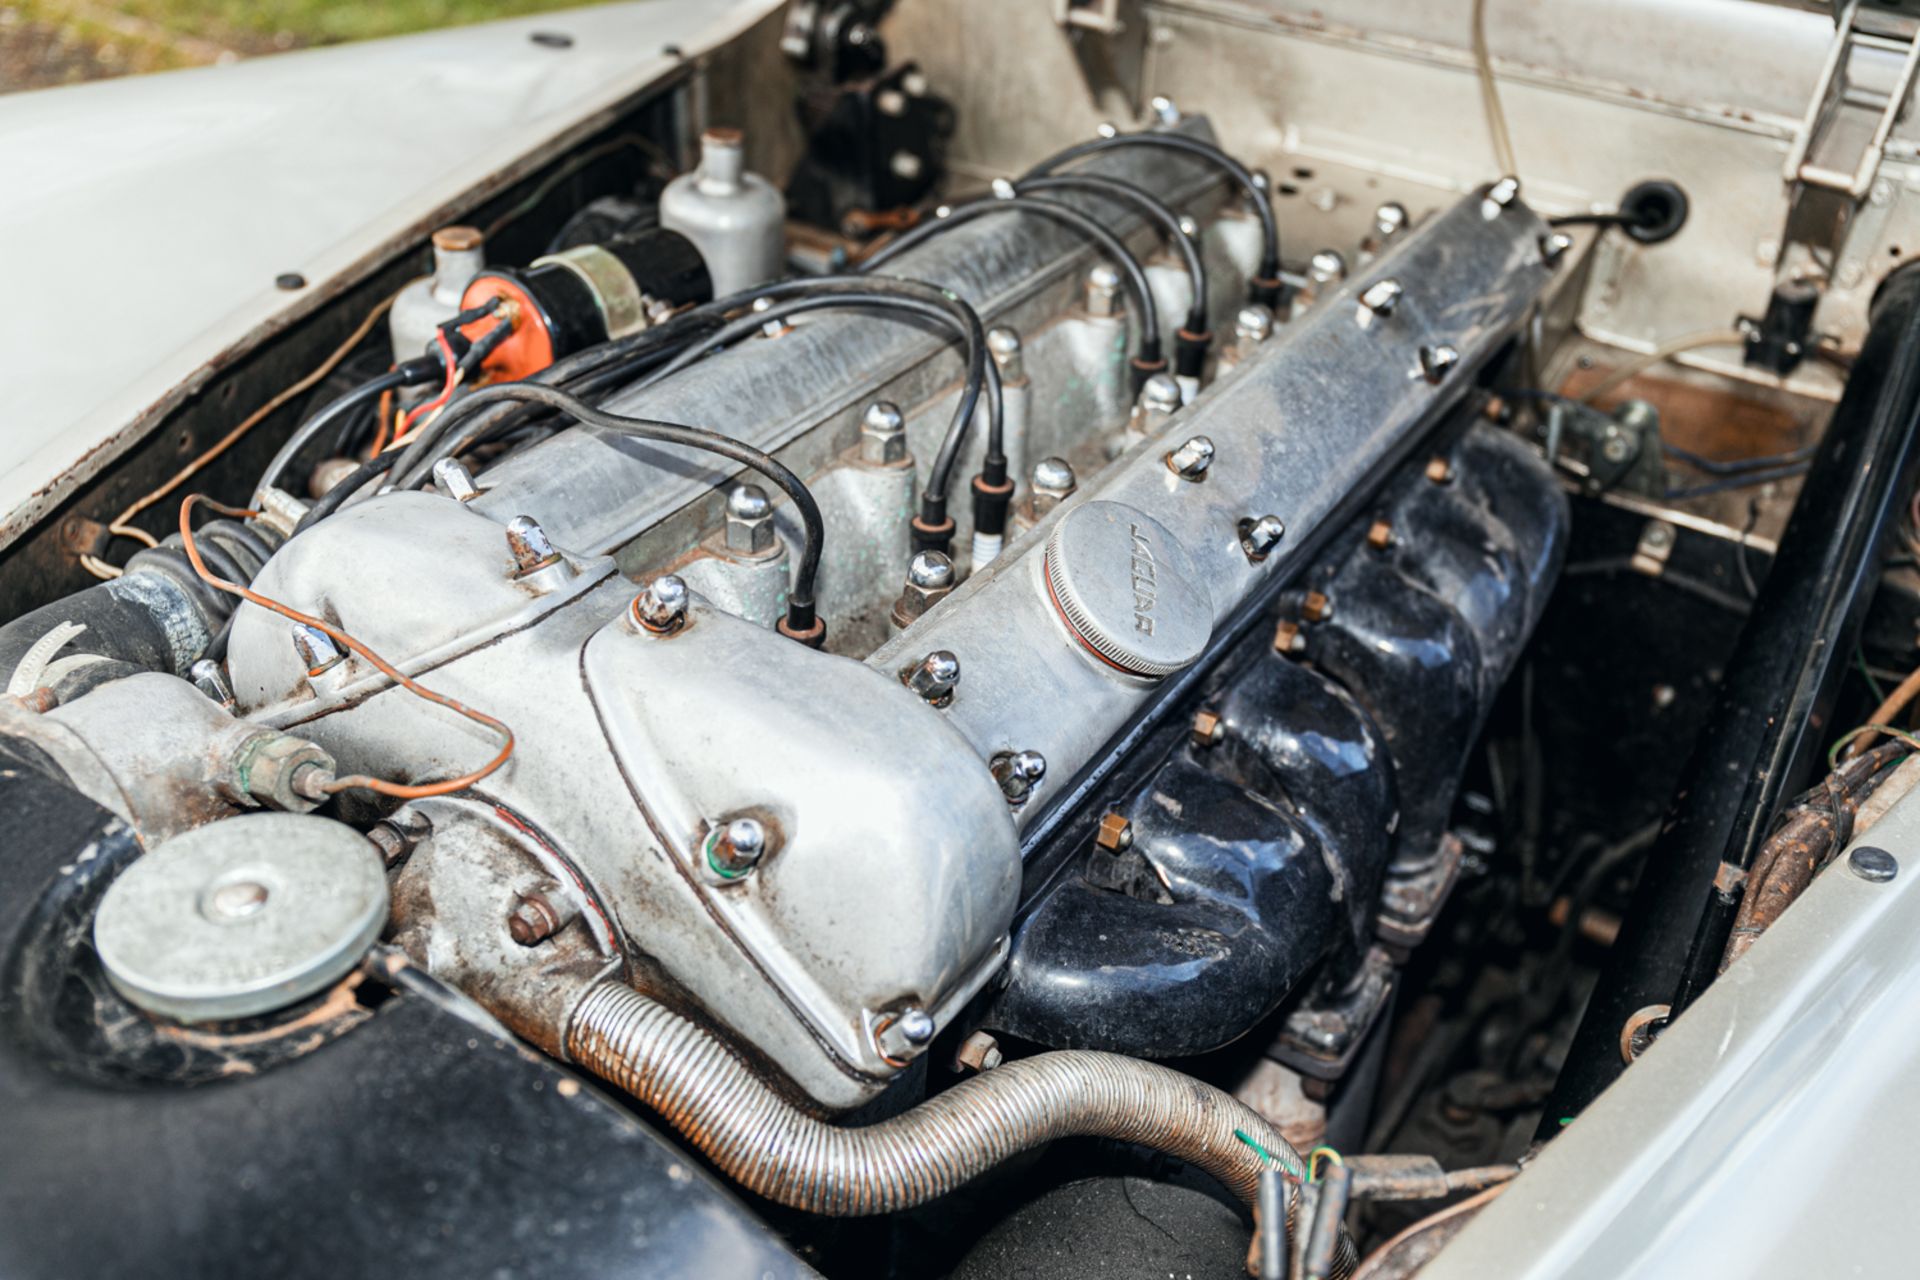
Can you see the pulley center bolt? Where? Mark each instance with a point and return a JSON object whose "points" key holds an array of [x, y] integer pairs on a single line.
{"points": [[735, 848], [661, 606]]}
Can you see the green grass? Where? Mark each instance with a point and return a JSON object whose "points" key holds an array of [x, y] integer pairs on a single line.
{"points": [[199, 28]]}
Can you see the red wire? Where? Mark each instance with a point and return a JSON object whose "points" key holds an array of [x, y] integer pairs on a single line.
{"points": [[446, 392]]}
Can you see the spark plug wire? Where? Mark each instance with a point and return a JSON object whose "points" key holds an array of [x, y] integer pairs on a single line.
{"points": [[350, 782]]}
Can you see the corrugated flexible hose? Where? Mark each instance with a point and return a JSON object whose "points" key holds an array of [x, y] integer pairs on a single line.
{"points": [[771, 1148]]}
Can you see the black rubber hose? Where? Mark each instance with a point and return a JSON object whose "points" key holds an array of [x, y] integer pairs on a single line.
{"points": [[408, 374], [1155, 209], [800, 605], [1269, 230], [1109, 243]]}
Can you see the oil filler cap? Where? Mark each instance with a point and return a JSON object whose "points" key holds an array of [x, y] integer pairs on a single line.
{"points": [[1127, 589], [242, 916]]}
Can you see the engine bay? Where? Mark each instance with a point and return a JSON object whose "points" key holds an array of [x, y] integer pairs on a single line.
{"points": [[889, 661]]}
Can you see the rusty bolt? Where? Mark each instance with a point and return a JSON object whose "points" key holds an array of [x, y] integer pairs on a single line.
{"points": [[533, 920], [1316, 607], [979, 1052], [1439, 470], [1380, 536], [1287, 638], [393, 843], [1494, 410], [661, 606], [1115, 834], [529, 544], [1208, 729]]}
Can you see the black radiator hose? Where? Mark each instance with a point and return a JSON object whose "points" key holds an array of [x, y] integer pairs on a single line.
{"points": [[1773, 714], [156, 616]]}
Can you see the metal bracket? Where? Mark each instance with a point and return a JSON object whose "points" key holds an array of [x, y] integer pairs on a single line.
{"points": [[1844, 135]]}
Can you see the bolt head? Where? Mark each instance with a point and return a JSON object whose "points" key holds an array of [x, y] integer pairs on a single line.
{"points": [[906, 166], [1208, 729], [1189, 227], [1054, 478], [1316, 607], [1439, 470], [1389, 220], [661, 606], [934, 677], [1504, 192], [736, 847], [1380, 298], [1165, 111], [316, 649], [1002, 189], [453, 479], [1160, 394], [890, 102], [1106, 129], [1253, 324], [1259, 535], [1103, 290], [1327, 267], [1554, 246], [1437, 361], [883, 434], [1018, 772], [529, 544], [749, 520], [1192, 458], [1114, 834], [917, 1026], [930, 571]]}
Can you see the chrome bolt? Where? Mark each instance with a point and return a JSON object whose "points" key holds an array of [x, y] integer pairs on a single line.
{"points": [[1554, 246], [661, 606], [1389, 220], [735, 848], [933, 677], [209, 679], [318, 653], [883, 434], [901, 1037], [1190, 460], [529, 544], [1053, 483], [930, 580], [1504, 192], [1003, 344], [906, 166], [452, 478], [1326, 267], [749, 520], [1103, 291], [1165, 111], [1260, 535], [1437, 361], [1160, 394], [1018, 773], [1003, 189], [1106, 129], [1189, 227], [890, 102], [1254, 324], [1263, 183], [1381, 297]]}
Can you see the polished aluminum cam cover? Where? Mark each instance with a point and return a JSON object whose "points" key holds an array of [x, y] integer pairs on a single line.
{"points": [[1127, 589]]}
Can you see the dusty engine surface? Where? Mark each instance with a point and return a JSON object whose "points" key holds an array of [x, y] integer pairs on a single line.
{"points": [[779, 673]]}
